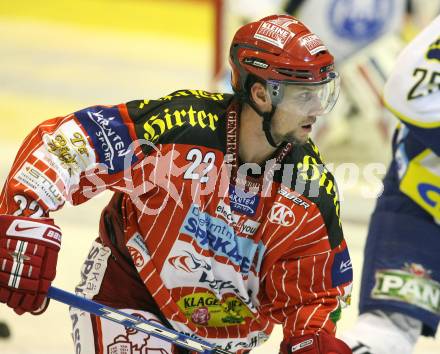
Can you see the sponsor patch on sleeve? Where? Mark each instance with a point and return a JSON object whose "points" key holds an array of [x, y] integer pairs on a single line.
{"points": [[41, 185], [342, 270], [110, 136], [138, 251], [66, 151]]}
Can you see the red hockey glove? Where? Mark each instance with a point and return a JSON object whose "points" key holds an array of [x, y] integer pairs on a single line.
{"points": [[28, 257], [318, 343]]}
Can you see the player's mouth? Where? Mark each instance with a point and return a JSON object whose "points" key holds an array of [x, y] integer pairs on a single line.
{"points": [[308, 127]]}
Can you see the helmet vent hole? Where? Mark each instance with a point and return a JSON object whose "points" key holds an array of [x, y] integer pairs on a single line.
{"points": [[287, 72], [300, 74]]}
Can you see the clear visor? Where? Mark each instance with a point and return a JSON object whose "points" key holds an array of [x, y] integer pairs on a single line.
{"points": [[306, 99]]}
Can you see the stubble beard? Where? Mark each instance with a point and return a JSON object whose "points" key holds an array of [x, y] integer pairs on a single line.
{"points": [[291, 138]]}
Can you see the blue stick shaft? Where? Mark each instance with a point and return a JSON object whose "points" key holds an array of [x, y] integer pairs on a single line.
{"points": [[128, 320]]}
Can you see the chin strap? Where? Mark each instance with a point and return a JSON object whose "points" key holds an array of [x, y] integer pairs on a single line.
{"points": [[267, 118]]}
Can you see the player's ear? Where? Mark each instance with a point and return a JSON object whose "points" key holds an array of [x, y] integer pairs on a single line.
{"points": [[261, 97]]}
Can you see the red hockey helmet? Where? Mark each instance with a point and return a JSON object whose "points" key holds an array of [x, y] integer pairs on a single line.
{"points": [[282, 51]]}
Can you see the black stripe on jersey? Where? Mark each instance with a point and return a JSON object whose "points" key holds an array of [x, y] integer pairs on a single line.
{"points": [[306, 173], [183, 117]]}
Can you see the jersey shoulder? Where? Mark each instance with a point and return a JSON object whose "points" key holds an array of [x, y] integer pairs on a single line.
{"points": [[412, 92], [192, 117], [314, 181]]}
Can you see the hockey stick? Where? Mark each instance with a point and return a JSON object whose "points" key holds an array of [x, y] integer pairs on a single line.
{"points": [[130, 321]]}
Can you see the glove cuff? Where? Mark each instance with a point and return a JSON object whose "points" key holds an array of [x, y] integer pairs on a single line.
{"points": [[25, 228]]}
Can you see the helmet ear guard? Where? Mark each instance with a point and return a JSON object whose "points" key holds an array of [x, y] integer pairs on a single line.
{"points": [[276, 91]]}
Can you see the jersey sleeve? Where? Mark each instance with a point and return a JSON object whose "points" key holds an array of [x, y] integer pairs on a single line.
{"points": [[307, 293], [308, 286], [71, 158], [412, 92]]}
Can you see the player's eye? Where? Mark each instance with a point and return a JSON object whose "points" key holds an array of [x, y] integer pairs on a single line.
{"points": [[304, 96]]}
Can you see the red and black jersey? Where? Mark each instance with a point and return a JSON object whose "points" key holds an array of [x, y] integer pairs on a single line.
{"points": [[226, 249]]}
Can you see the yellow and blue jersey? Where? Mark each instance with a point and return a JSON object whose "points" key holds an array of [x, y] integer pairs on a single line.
{"points": [[401, 271], [412, 93]]}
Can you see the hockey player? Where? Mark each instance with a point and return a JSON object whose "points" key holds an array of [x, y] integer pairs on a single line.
{"points": [[190, 238], [400, 294]]}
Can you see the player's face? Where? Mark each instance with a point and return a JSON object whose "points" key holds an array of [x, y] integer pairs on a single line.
{"points": [[291, 128], [295, 115], [298, 110]]}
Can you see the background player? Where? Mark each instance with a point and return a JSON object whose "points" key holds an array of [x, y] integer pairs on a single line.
{"points": [[400, 293]]}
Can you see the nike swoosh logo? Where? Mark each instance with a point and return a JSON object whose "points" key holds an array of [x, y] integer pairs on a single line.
{"points": [[18, 228]]}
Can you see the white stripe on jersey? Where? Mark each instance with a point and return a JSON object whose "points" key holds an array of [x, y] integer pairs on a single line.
{"points": [[311, 233], [313, 278]]}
